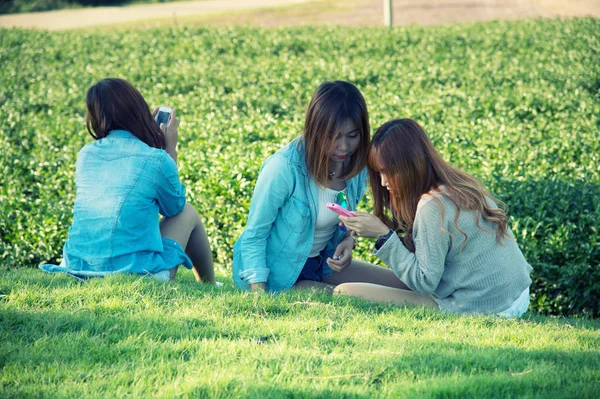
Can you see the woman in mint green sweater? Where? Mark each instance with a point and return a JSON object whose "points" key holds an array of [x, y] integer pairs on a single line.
{"points": [[457, 252]]}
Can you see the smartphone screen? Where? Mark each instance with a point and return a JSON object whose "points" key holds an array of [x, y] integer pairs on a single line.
{"points": [[163, 117]]}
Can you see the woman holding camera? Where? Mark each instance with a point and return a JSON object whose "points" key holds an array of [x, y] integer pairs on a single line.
{"points": [[458, 253], [124, 179]]}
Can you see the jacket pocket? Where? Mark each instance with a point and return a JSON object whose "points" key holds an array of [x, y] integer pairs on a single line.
{"points": [[296, 214]]}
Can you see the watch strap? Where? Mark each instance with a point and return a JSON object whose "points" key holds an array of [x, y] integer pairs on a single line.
{"points": [[383, 239]]}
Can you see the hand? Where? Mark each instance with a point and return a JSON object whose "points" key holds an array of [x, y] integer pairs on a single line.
{"points": [[365, 225], [170, 130], [342, 256], [257, 287]]}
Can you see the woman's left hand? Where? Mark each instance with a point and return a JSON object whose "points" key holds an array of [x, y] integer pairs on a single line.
{"points": [[365, 225], [344, 253]]}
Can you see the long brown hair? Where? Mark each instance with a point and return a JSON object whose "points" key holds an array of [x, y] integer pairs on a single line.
{"points": [[402, 152], [333, 104], [114, 104]]}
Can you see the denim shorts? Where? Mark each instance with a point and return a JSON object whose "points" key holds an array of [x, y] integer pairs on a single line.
{"points": [[313, 269]]}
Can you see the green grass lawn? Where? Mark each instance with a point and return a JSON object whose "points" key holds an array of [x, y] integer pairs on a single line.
{"points": [[126, 336]]}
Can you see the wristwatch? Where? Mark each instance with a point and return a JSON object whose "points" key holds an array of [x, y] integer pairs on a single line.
{"points": [[383, 239]]}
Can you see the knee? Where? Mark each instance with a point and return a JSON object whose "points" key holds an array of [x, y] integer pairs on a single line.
{"points": [[190, 212], [189, 208], [345, 289]]}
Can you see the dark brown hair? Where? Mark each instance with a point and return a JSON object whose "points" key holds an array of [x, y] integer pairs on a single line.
{"points": [[333, 104], [114, 104], [402, 151]]}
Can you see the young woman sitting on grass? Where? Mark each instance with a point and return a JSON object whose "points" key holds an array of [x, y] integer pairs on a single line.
{"points": [[124, 179], [458, 253], [291, 237]]}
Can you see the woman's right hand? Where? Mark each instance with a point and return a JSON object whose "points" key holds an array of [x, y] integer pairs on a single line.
{"points": [[365, 225], [169, 130], [171, 134]]}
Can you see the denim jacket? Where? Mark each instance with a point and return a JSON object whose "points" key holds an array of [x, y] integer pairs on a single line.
{"points": [[280, 230], [122, 185]]}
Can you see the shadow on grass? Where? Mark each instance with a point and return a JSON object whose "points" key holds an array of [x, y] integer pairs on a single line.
{"points": [[233, 389], [434, 368]]}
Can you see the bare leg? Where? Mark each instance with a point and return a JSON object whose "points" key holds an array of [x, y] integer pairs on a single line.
{"points": [[378, 293], [187, 229], [363, 272]]}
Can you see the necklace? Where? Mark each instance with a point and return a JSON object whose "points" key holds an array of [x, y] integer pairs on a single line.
{"points": [[331, 175]]}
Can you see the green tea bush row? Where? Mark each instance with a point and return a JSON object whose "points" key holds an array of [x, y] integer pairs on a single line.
{"points": [[515, 103]]}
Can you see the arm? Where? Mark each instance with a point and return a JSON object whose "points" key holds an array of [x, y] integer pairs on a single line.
{"points": [[171, 134], [423, 269], [170, 192], [273, 187], [172, 151]]}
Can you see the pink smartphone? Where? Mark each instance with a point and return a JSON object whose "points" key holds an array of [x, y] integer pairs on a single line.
{"points": [[340, 210]]}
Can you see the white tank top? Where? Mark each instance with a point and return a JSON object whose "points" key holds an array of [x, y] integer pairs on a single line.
{"points": [[327, 221]]}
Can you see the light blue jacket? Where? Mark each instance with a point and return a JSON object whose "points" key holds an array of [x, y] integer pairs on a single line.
{"points": [[280, 230], [122, 185]]}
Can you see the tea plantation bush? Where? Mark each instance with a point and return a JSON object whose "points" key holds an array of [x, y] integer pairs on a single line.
{"points": [[515, 103]]}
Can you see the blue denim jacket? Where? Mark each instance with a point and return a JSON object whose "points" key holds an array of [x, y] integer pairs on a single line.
{"points": [[122, 185], [280, 229]]}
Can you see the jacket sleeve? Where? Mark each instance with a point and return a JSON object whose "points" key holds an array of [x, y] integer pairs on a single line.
{"points": [[422, 270], [170, 192], [273, 187]]}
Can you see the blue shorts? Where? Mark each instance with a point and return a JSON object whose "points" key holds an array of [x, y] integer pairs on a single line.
{"points": [[316, 268], [313, 269]]}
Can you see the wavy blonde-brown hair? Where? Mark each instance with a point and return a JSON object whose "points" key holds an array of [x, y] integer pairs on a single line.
{"points": [[402, 152]]}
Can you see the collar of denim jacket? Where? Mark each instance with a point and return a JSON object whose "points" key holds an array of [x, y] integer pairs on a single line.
{"points": [[121, 134], [295, 153]]}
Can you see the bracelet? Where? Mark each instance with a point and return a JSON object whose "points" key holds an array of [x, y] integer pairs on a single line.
{"points": [[346, 235]]}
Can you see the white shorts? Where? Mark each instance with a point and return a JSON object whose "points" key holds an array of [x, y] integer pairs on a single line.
{"points": [[163, 275], [519, 307]]}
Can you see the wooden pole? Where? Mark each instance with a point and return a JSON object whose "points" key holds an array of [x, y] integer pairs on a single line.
{"points": [[387, 13]]}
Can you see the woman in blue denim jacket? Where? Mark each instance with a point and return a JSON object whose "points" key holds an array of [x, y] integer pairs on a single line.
{"points": [[291, 237], [124, 179]]}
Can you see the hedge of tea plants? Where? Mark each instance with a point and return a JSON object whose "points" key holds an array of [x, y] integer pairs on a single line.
{"points": [[515, 103]]}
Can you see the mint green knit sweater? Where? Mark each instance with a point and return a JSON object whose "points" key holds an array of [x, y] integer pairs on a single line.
{"points": [[483, 276]]}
